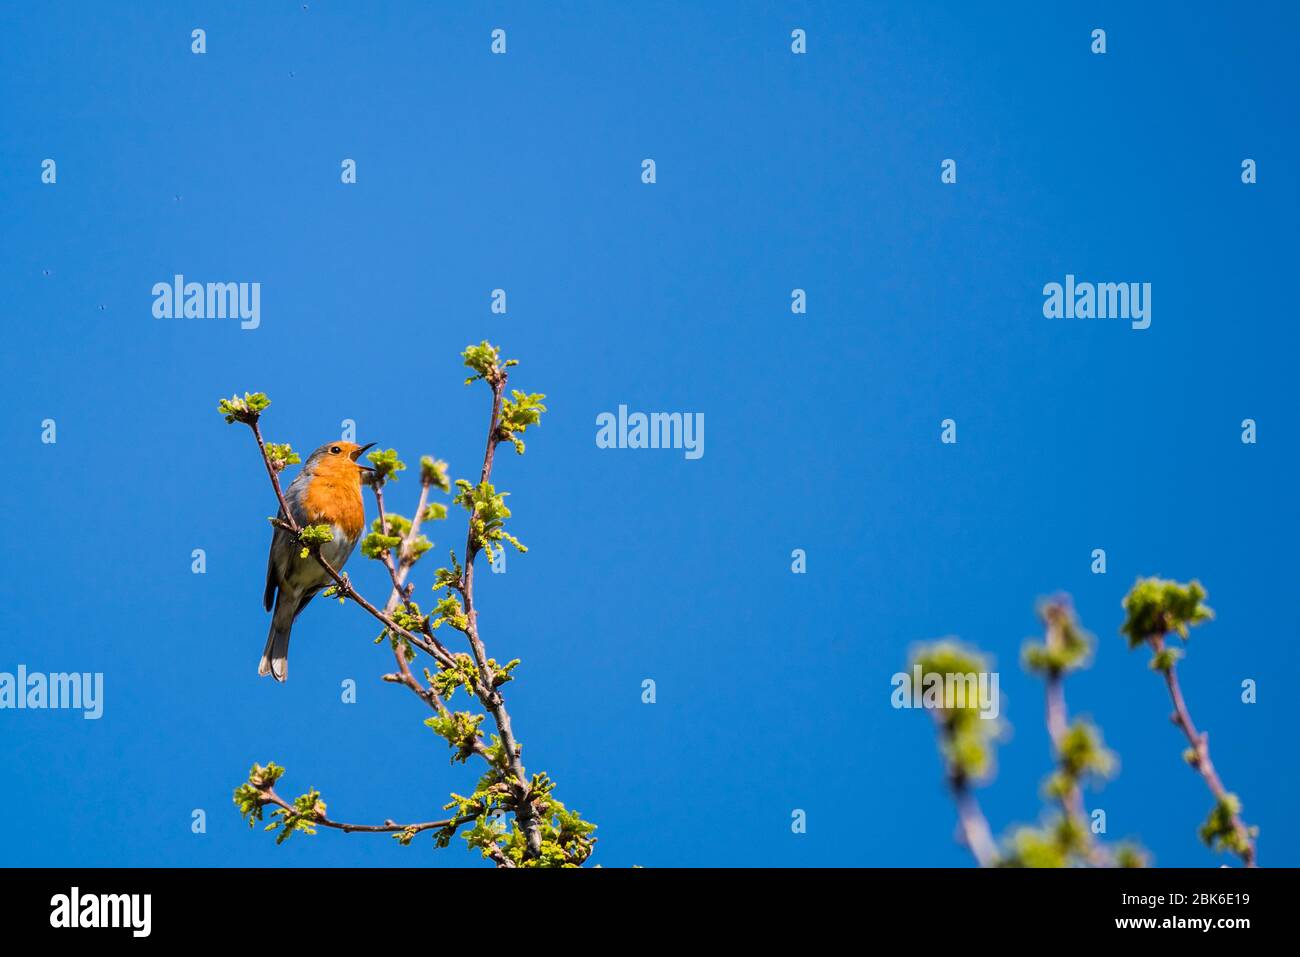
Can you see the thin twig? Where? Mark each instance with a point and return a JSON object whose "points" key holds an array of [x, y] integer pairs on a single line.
{"points": [[975, 827], [388, 827], [399, 589], [405, 561], [972, 824], [975, 831], [485, 690], [1055, 618], [1200, 742], [402, 593], [1057, 725]]}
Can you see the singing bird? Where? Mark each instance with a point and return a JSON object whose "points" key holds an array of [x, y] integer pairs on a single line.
{"points": [[326, 492]]}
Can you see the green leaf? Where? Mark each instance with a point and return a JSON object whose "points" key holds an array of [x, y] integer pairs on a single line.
{"points": [[386, 465], [484, 359], [1082, 752], [517, 414], [488, 512], [463, 675], [244, 410], [434, 472], [967, 740], [316, 535], [451, 613], [281, 455], [1219, 832], [398, 525], [1065, 647], [375, 545], [1132, 856], [460, 728], [1165, 659], [251, 795], [1038, 847], [1154, 607]]}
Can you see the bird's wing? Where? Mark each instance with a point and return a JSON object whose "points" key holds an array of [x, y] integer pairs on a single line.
{"points": [[280, 544], [307, 596]]}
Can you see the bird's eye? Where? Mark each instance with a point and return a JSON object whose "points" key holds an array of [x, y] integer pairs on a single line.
{"points": [[335, 450]]}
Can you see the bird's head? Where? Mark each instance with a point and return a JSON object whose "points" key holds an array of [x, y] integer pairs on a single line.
{"points": [[339, 458]]}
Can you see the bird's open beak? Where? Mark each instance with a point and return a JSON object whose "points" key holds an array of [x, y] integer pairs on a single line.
{"points": [[357, 454]]}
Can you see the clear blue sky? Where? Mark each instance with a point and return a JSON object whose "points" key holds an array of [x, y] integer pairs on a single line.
{"points": [[775, 171]]}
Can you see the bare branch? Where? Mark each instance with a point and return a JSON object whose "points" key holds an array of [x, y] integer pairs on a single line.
{"points": [[973, 826], [388, 827]]}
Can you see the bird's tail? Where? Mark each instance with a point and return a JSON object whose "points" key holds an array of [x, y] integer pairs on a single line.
{"points": [[275, 656]]}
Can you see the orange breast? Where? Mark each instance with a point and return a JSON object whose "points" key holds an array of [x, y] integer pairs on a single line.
{"points": [[336, 500]]}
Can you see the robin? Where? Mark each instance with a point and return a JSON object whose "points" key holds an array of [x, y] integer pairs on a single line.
{"points": [[326, 492]]}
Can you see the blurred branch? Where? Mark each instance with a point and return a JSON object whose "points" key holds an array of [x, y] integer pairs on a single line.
{"points": [[966, 740], [1065, 647], [973, 825], [1154, 608], [1226, 804]]}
